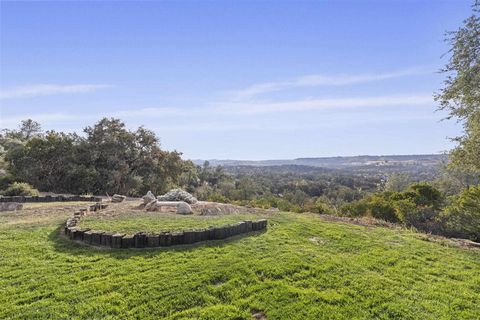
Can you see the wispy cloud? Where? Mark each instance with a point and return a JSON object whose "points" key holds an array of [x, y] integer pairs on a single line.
{"points": [[226, 110], [315, 80], [43, 118], [248, 108], [151, 112], [48, 89], [90, 117]]}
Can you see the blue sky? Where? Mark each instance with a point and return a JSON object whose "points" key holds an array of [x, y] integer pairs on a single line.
{"points": [[235, 79]]}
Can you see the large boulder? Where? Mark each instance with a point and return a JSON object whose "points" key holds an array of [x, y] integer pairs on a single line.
{"points": [[184, 208], [180, 207], [149, 197], [118, 198], [178, 195], [10, 206]]}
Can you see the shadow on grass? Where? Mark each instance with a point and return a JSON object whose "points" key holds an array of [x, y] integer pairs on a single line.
{"points": [[65, 245]]}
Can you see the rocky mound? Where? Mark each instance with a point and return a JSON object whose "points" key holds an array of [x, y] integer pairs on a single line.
{"points": [[178, 195], [182, 202], [205, 208], [149, 197], [118, 198], [180, 207]]}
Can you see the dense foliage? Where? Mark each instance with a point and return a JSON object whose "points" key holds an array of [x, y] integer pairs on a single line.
{"points": [[321, 192], [462, 217], [109, 159], [415, 206], [461, 93]]}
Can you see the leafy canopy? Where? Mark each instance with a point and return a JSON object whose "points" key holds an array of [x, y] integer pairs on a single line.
{"points": [[460, 95]]}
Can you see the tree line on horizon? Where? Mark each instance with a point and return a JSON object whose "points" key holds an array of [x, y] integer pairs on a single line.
{"points": [[108, 159]]}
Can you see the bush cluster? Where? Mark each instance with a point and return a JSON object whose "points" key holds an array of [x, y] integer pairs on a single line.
{"points": [[412, 207], [423, 207], [20, 189]]}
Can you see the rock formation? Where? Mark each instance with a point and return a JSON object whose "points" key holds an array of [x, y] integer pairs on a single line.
{"points": [[118, 198], [178, 195], [214, 208], [180, 207], [149, 197]]}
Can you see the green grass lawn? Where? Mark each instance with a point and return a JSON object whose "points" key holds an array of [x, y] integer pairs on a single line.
{"points": [[155, 222], [302, 267]]}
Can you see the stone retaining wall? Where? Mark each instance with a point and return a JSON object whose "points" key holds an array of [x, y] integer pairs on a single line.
{"points": [[23, 199], [149, 240]]}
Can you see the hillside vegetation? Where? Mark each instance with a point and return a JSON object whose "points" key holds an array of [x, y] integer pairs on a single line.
{"points": [[302, 267]]}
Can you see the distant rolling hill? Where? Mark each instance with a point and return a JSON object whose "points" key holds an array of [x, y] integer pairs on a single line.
{"points": [[358, 164], [339, 162]]}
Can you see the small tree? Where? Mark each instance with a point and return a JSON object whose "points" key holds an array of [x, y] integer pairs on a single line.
{"points": [[461, 93], [462, 217], [397, 182], [423, 194]]}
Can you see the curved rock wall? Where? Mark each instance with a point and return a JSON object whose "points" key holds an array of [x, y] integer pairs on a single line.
{"points": [[162, 239]]}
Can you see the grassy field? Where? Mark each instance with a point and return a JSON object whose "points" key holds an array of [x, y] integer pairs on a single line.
{"points": [[132, 222], [303, 267]]}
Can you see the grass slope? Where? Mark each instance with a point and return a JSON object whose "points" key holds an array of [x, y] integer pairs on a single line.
{"points": [[303, 267]]}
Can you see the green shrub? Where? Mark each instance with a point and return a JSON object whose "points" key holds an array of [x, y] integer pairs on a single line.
{"points": [[354, 209], [321, 206], [406, 211], [462, 217], [376, 206], [380, 208], [425, 195], [410, 214], [263, 202], [216, 197], [20, 189]]}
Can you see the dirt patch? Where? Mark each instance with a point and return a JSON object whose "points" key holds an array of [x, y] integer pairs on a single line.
{"points": [[463, 243], [317, 241], [40, 213], [259, 315]]}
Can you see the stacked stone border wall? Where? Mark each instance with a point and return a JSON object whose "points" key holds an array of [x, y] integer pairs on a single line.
{"points": [[149, 240], [22, 199]]}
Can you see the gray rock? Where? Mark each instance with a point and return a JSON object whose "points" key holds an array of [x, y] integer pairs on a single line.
{"points": [[214, 208], [10, 206], [184, 208], [148, 197], [118, 198], [178, 195], [179, 207], [150, 204]]}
